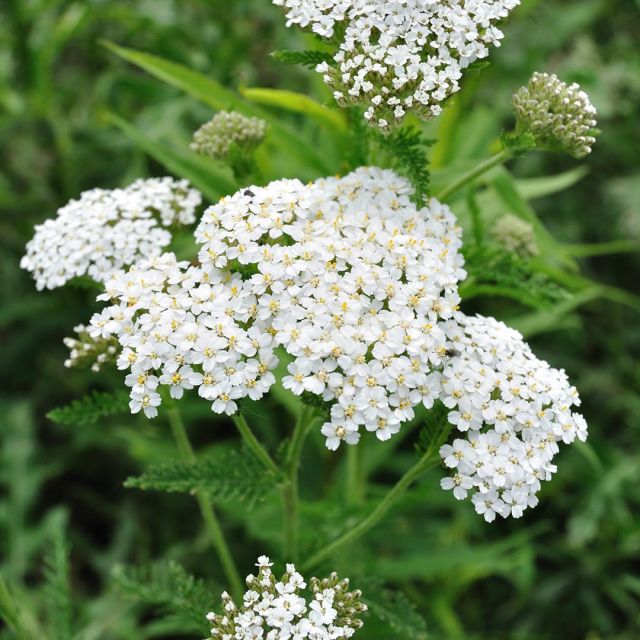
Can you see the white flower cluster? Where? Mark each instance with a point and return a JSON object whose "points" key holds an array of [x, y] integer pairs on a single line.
{"points": [[184, 326], [351, 279], [277, 609], [216, 137], [560, 116], [345, 273], [106, 230], [359, 288], [400, 56], [513, 408]]}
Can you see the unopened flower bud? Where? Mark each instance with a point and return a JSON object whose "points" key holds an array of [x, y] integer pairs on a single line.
{"points": [[227, 128], [559, 116], [516, 235]]}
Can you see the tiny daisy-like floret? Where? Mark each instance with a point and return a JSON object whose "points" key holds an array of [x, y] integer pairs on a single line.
{"points": [[216, 137], [513, 410], [106, 230], [352, 280], [289, 608], [559, 116], [516, 235], [402, 56]]}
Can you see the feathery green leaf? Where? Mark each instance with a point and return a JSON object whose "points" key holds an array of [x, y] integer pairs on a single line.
{"points": [[176, 593], [408, 148], [494, 271], [310, 58], [57, 588], [227, 475], [392, 607], [91, 408]]}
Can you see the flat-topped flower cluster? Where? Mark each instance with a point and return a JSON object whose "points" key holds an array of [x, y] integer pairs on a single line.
{"points": [[278, 609], [513, 409], [356, 288], [400, 56], [106, 230]]}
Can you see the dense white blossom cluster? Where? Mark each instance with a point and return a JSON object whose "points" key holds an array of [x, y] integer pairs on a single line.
{"points": [[106, 230], [560, 116], [352, 280], [278, 609], [183, 326], [400, 56], [513, 409], [227, 128], [359, 287]]}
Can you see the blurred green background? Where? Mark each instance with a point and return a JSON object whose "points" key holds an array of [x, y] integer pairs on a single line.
{"points": [[568, 569]]}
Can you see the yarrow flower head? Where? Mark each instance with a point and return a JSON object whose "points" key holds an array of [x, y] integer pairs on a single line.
{"points": [[401, 56], [226, 129], [559, 116], [346, 274], [512, 408], [289, 608], [516, 235], [106, 230]]}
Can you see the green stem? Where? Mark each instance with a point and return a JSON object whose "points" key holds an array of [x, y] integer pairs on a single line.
{"points": [[353, 489], [208, 514], [253, 443], [290, 492], [376, 515], [471, 175]]}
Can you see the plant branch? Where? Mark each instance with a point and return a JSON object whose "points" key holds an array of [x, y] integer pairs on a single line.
{"points": [[206, 508], [471, 175], [397, 491], [253, 443], [290, 492]]}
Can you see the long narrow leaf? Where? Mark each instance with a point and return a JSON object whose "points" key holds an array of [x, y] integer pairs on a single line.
{"points": [[211, 92], [296, 103], [203, 173]]}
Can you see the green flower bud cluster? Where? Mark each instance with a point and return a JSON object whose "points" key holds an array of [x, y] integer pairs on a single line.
{"points": [[228, 131], [85, 351], [515, 235], [559, 116]]}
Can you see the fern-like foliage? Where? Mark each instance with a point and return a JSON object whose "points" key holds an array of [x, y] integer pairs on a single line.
{"points": [[57, 588], [227, 475], [309, 58], [496, 271], [91, 408], [175, 593], [408, 150], [359, 139], [434, 432], [394, 608]]}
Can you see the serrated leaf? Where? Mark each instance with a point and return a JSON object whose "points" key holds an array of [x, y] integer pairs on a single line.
{"points": [[227, 475], [57, 588], [408, 148], [308, 58], [91, 408], [434, 431], [393, 608], [169, 587], [494, 271]]}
